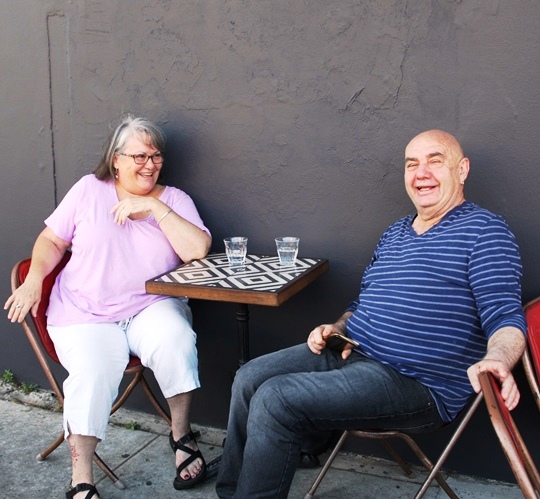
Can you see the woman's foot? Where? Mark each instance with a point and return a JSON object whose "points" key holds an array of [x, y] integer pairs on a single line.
{"points": [[193, 469], [82, 491], [190, 465]]}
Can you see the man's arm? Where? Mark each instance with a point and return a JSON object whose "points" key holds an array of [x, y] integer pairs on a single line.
{"points": [[317, 338], [504, 349]]}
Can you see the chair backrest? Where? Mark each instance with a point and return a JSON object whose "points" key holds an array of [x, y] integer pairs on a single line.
{"points": [[531, 356], [40, 320], [510, 438], [532, 313]]}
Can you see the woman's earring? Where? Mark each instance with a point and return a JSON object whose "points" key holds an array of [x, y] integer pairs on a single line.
{"points": [[116, 174]]}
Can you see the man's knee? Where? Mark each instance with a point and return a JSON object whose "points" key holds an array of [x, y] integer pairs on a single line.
{"points": [[271, 403], [248, 376]]}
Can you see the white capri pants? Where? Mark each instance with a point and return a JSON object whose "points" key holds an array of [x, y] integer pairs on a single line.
{"points": [[96, 355]]}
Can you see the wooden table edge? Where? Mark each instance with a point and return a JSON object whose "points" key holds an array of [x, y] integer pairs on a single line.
{"points": [[240, 296]]}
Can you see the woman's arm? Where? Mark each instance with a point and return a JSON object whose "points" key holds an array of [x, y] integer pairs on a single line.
{"points": [[188, 241], [47, 252]]}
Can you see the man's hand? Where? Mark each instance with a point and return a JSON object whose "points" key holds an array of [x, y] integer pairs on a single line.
{"points": [[317, 338], [505, 347], [509, 389]]}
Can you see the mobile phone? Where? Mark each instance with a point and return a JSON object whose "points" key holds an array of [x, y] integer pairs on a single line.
{"points": [[337, 342]]}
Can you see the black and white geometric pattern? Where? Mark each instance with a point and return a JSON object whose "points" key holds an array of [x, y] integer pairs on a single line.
{"points": [[261, 273]]}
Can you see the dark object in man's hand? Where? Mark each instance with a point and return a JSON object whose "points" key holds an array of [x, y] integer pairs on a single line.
{"points": [[337, 342]]}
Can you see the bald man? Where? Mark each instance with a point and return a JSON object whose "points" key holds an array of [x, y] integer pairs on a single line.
{"points": [[439, 302]]}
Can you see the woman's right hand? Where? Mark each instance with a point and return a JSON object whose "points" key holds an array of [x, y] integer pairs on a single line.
{"points": [[46, 254], [24, 299]]}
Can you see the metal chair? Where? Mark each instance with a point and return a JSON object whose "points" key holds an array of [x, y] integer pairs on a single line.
{"points": [[44, 349], [511, 441], [383, 435], [531, 356]]}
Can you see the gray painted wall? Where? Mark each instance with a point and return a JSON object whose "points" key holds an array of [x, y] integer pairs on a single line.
{"points": [[283, 118]]}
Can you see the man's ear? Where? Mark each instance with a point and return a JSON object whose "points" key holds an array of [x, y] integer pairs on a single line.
{"points": [[463, 169]]}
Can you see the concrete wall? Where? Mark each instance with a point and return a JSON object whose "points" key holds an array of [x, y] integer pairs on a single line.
{"points": [[283, 118]]}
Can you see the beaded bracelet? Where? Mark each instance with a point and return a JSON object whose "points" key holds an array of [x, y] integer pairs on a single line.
{"points": [[163, 216]]}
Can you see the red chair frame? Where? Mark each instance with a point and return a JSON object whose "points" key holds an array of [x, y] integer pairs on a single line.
{"points": [[512, 443], [43, 347], [531, 356]]}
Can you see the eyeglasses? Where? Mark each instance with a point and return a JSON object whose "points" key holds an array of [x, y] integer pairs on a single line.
{"points": [[142, 159]]}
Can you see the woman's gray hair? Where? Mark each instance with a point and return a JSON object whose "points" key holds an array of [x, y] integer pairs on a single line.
{"points": [[130, 126]]}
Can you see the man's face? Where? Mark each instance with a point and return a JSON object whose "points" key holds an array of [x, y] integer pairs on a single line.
{"points": [[434, 172]]}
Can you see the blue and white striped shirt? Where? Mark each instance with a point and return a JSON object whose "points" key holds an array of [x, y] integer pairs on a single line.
{"points": [[429, 303]]}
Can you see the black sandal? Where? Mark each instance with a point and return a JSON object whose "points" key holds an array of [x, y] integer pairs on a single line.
{"points": [[80, 487], [179, 482]]}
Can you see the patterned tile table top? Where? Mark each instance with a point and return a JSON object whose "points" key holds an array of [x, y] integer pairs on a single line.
{"points": [[261, 273]]}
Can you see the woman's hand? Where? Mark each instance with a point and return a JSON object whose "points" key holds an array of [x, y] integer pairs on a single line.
{"points": [[24, 299], [135, 206], [188, 241], [46, 254]]}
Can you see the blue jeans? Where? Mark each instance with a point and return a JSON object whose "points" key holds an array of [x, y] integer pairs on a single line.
{"points": [[278, 397]]}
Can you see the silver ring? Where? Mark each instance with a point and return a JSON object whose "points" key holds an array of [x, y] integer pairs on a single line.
{"points": [[18, 306]]}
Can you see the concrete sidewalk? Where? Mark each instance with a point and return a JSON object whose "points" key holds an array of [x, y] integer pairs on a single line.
{"points": [[143, 460]]}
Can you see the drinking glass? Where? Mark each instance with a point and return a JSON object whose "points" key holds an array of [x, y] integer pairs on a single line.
{"points": [[236, 249], [287, 249]]}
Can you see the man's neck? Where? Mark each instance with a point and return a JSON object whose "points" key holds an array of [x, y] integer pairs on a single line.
{"points": [[425, 220]]}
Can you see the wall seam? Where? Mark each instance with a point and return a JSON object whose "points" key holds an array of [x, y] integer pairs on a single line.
{"points": [[51, 110]]}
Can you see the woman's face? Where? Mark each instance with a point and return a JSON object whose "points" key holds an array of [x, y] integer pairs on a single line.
{"points": [[138, 180]]}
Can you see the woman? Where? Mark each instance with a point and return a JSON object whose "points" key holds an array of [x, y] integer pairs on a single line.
{"points": [[123, 228]]}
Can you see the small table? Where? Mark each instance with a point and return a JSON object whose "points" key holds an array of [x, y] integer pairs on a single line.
{"points": [[261, 282]]}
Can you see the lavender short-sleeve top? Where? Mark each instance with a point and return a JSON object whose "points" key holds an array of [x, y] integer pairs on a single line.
{"points": [[104, 281]]}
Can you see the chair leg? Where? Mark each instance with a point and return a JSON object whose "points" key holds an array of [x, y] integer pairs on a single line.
{"points": [[429, 466], [43, 455], [326, 466], [157, 406], [139, 378], [459, 430], [110, 473], [102, 465], [127, 392], [404, 466]]}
